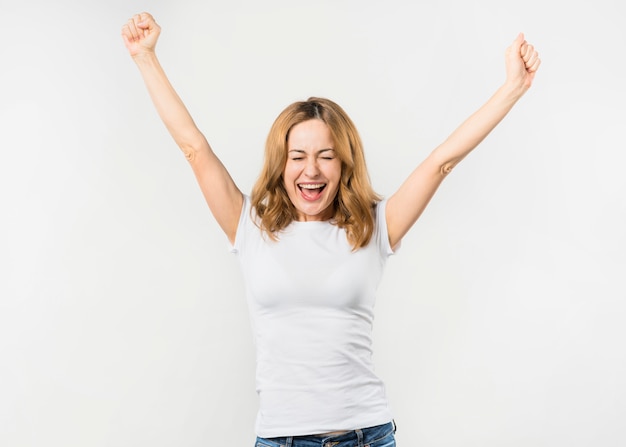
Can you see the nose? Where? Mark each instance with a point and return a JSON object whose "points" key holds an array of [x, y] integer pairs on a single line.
{"points": [[311, 169]]}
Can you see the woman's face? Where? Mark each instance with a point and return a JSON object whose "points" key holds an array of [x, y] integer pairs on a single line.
{"points": [[313, 170]]}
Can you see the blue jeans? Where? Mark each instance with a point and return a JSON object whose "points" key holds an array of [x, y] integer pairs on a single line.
{"points": [[378, 436]]}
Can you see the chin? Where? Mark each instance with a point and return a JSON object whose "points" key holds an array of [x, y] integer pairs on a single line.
{"points": [[321, 213]]}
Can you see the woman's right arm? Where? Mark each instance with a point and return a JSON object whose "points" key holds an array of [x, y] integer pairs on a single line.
{"points": [[140, 35]]}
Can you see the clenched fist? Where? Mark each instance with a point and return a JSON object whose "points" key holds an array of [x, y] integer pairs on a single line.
{"points": [[140, 34], [522, 62]]}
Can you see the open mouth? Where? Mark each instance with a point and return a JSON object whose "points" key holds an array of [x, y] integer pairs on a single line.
{"points": [[311, 191]]}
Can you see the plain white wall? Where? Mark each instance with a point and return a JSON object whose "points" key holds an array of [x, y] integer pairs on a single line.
{"points": [[122, 314]]}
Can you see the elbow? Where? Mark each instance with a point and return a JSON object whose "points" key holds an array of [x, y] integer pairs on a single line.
{"points": [[189, 152], [446, 168], [441, 166], [193, 148]]}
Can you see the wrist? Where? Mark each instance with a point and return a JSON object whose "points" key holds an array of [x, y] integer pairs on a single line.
{"points": [[143, 57], [513, 90]]}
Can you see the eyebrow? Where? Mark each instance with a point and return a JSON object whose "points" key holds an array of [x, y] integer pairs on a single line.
{"points": [[302, 151]]}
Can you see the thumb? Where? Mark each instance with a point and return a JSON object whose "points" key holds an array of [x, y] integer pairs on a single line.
{"points": [[146, 21], [516, 46]]}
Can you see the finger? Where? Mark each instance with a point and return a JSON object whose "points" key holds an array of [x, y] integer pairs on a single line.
{"points": [[535, 66], [125, 31], [140, 26], [125, 36], [140, 29], [128, 31], [515, 47], [146, 21], [146, 17], [529, 52], [132, 28], [531, 60]]}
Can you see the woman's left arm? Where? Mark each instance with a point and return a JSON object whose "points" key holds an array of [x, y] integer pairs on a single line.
{"points": [[407, 204]]}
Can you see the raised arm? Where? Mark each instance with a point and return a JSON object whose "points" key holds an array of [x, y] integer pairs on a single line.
{"points": [[140, 35], [407, 204]]}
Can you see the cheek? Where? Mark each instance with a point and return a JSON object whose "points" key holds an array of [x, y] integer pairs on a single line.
{"points": [[334, 172], [288, 174]]}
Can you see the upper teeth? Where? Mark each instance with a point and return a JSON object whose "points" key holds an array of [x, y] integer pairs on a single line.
{"points": [[312, 186]]}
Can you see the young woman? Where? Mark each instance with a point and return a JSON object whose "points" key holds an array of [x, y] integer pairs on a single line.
{"points": [[312, 240]]}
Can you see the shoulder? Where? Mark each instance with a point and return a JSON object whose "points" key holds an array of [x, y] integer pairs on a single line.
{"points": [[381, 232], [248, 221]]}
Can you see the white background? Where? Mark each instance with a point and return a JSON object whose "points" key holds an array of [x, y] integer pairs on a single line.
{"points": [[122, 314]]}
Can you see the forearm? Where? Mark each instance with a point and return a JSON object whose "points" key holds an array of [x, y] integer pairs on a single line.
{"points": [[474, 130], [168, 104]]}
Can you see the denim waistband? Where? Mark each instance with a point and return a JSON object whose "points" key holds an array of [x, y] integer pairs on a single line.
{"points": [[359, 437]]}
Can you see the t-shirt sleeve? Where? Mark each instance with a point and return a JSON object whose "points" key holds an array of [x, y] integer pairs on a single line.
{"points": [[381, 234], [244, 221]]}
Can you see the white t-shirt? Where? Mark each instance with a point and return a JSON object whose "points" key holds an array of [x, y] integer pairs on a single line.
{"points": [[311, 301]]}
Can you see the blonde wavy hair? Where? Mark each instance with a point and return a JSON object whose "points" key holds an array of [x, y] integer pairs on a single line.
{"points": [[355, 199]]}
